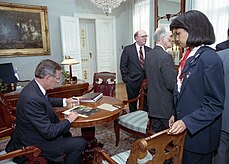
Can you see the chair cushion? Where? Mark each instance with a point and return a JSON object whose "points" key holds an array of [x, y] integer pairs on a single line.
{"points": [[7, 161], [136, 121], [121, 158]]}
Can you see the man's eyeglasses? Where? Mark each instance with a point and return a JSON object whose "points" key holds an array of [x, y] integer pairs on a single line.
{"points": [[145, 36], [57, 79]]}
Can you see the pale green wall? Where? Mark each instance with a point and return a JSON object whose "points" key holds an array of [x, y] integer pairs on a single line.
{"points": [[57, 8]]}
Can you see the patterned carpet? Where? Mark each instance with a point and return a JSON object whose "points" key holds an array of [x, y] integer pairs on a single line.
{"points": [[3, 143], [105, 135]]}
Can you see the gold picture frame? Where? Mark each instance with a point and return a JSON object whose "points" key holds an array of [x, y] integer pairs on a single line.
{"points": [[24, 30]]}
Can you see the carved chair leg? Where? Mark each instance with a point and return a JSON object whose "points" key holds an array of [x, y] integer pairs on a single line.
{"points": [[117, 132]]}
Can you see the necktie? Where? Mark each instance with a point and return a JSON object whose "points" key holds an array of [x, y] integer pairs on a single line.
{"points": [[183, 61], [141, 57]]}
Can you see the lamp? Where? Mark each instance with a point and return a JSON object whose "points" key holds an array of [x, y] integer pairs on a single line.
{"points": [[107, 5], [69, 61]]}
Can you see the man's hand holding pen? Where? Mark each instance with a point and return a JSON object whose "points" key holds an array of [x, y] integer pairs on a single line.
{"points": [[73, 101]]}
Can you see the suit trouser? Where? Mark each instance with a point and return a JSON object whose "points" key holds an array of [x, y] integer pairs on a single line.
{"points": [[132, 93], [222, 156], [195, 158], [73, 147], [159, 124]]}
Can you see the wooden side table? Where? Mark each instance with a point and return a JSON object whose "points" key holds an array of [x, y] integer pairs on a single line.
{"points": [[60, 91]]}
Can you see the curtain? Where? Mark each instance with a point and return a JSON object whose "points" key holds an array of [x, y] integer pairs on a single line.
{"points": [[141, 16], [218, 14]]}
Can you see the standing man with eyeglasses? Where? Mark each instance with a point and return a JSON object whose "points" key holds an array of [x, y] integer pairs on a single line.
{"points": [[38, 125], [132, 66]]}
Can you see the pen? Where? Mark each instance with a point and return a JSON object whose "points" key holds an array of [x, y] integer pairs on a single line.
{"points": [[116, 106], [75, 98]]}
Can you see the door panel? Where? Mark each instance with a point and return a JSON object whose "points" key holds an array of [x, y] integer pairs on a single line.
{"points": [[70, 42], [87, 43], [105, 45], [91, 40]]}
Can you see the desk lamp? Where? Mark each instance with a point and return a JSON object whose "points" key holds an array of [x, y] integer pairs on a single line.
{"points": [[69, 61]]}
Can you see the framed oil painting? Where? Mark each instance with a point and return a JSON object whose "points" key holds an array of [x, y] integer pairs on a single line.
{"points": [[24, 30]]}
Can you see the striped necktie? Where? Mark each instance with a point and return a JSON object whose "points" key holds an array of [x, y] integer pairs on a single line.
{"points": [[141, 57]]}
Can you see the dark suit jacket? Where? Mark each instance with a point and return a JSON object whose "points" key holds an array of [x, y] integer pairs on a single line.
{"points": [[200, 101], [161, 77], [222, 46], [37, 124], [130, 67], [224, 55]]}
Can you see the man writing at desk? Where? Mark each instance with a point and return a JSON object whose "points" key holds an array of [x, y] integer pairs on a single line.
{"points": [[38, 125]]}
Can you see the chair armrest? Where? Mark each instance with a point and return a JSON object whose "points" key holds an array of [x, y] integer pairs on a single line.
{"points": [[100, 155], [30, 152], [131, 100], [6, 132]]}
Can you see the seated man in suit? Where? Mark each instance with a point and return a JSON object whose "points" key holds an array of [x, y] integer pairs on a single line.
{"points": [[223, 45], [37, 124]]}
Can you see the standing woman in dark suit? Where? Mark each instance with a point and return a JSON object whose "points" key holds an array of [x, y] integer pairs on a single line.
{"points": [[200, 91], [132, 66]]}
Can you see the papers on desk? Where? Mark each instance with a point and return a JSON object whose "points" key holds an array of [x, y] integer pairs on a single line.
{"points": [[108, 107], [83, 111]]}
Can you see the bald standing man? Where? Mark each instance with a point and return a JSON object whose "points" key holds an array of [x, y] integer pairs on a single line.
{"points": [[132, 66]]}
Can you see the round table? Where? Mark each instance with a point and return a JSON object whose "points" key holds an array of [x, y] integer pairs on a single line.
{"points": [[87, 124]]}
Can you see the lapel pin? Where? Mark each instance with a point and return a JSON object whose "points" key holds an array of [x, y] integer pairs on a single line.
{"points": [[187, 76]]}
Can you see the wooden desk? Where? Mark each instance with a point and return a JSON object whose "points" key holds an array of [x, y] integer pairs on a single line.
{"points": [[60, 91], [88, 124]]}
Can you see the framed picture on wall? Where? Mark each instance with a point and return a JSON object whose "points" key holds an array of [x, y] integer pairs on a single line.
{"points": [[24, 30]]}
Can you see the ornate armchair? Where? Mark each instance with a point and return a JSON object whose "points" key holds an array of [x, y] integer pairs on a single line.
{"points": [[138, 122], [104, 82], [7, 115], [155, 149]]}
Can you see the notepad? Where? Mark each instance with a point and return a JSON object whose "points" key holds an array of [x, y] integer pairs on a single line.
{"points": [[108, 107], [83, 111]]}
